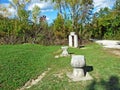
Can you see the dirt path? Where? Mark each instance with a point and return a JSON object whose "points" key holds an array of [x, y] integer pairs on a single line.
{"points": [[114, 51], [32, 82]]}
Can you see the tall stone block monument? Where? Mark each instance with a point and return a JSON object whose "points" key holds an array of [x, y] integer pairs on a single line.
{"points": [[73, 40]]}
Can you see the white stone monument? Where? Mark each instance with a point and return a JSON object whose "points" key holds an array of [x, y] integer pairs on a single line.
{"points": [[79, 73], [77, 63], [73, 40], [64, 52]]}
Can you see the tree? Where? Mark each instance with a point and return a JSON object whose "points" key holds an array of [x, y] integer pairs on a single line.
{"points": [[106, 23], [35, 13], [19, 6], [78, 11], [117, 5], [59, 27]]}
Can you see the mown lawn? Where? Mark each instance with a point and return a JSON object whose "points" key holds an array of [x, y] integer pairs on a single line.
{"points": [[20, 63]]}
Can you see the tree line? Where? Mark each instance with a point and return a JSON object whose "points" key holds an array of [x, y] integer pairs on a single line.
{"points": [[74, 16], [106, 23]]}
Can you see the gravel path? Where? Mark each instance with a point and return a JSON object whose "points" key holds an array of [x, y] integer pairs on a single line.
{"points": [[109, 43], [112, 45]]}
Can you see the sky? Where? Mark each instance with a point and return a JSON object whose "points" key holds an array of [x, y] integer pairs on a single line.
{"points": [[47, 8]]}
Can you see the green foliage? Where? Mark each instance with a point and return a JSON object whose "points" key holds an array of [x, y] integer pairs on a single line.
{"points": [[72, 16], [78, 11], [59, 29], [23, 15], [11, 29], [106, 24], [117, 5], [44, 35], [22, 30], [35, 13]]}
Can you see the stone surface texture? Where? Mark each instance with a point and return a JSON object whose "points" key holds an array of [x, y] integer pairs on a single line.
{"points": [[79, 73], [78, 61], [73, 40], [64, 51]]}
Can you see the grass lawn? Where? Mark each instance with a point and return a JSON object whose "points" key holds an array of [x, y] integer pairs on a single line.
{"points": [[20, 63]]}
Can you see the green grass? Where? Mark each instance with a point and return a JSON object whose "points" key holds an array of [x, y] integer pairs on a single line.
{"points": [[20, 63]]}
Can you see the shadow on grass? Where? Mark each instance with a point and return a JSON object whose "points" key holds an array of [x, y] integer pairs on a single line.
{"points": [[71, 53], [81, 46], [88, 69], [111, 84]]}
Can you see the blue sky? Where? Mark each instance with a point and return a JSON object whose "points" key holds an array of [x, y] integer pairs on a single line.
{"points": [[48, 9], [4, 1]]}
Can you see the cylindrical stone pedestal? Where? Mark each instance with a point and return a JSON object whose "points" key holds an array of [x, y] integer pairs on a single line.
{"points": [[78, 72], [78, 62]]}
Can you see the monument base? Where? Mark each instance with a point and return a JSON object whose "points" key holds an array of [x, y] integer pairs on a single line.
{"points": [[75, 78]]}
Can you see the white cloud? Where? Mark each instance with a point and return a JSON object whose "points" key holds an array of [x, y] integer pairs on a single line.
{"points": [[47, 19], [10, 0], [103, 3], [10, 10], [48, 6], [44, 6], [4, 5]]}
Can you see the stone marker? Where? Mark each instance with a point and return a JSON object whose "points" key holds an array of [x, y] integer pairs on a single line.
{"points": [[73, 40], [78, 63], [64, 52]]}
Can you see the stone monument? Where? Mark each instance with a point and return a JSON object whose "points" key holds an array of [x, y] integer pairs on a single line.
{"points": [[73, 40], [64, 51], [79, 73]]}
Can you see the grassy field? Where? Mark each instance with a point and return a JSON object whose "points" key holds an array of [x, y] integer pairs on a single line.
{"points": [[20, 63]]}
